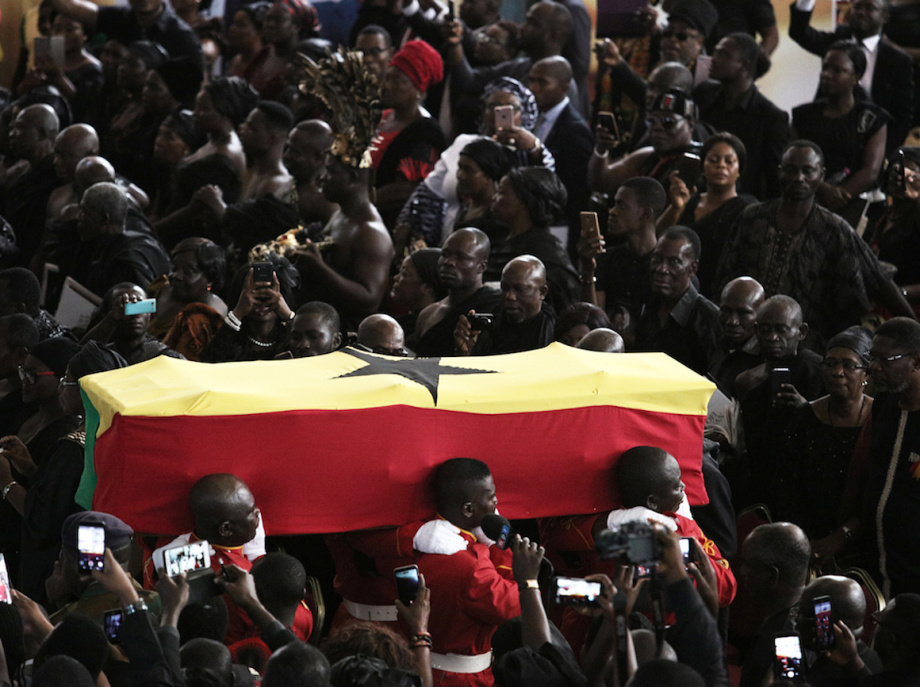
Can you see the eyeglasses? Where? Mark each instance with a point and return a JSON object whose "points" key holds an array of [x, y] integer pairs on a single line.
{"points": [[667, 122], [28, 376], [847, 365], [880, 359], [680, 36], [63, 382]]}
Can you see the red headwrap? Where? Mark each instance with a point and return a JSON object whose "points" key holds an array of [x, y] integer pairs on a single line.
{"points": [[303, 14], [421, 63]]}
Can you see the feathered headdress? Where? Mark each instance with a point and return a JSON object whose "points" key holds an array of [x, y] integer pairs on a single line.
{"points": [[351, 93]]}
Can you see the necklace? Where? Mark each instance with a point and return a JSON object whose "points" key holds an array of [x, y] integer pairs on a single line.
{"points": [[830, 415], [260, 344]]}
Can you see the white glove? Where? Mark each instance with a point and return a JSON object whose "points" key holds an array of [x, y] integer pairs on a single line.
{"points": [[481, 537], [638, 514], [439, 536]]}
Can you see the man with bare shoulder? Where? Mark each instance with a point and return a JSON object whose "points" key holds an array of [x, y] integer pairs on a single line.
{"points": [[352, 273], [461, 265], [305, 158]]}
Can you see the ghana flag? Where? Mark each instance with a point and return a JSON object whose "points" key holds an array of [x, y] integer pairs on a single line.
{"points": [[348, 440]]}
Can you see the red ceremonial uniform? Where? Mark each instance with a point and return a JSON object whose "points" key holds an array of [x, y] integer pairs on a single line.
{"points": [[570, 547], [364, 564], [472, 593]]}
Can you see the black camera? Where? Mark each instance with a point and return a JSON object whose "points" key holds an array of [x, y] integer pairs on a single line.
{"points": [[632, 543]]}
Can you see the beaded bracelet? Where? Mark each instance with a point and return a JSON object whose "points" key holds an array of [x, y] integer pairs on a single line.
{"points": [[421, 640]]}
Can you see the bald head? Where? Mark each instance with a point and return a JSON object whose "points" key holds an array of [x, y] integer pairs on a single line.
{"points": [[738, 306], [556, 66], [780, 328], [777, 555], [92, 170], [848, 603], [666, 76], [382, 334], [33, 132], [603, 340], [72, 145], [523, 288], [223, 509], [463, 260]]}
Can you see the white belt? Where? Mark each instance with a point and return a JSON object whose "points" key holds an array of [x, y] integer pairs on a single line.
{"points": [[376, 614], [455, 663]]}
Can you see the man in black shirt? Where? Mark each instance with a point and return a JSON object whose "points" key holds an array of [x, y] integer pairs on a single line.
{"points": [[679, 321]]}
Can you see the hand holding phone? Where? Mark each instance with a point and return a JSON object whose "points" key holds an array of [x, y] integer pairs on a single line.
{"points": [[407, 583], [91, 548], [504, 117], [824, 625]]}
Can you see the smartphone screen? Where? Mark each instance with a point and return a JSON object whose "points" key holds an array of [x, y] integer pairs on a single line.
{"points": [[188, 558], [788, 657], [113, 624], [91, 548], [6, 595], [573, 591], [686, 549], [824, 627], [406, 583], [778, 377]]}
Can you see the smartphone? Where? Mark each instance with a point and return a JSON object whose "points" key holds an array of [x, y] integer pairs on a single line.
{"points": [[262, 272], [480, 321], [113, 624], [50, 46], [608, 123], [787, 660], [148, 305], [406, 583], [504, 117], [451, 10], [91, 547], [686, 549], [688, 169], [901, 172], [574, 591], [185, 558], [778, 377], [6, 595], [824, 626], [589, 225]]}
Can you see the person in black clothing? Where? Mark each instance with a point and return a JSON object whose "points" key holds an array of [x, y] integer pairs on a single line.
{"points": [[461, 265], [678, 320], [524, 322], [732, 103]]}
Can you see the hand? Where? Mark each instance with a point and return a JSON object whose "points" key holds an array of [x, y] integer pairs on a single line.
{"points": [[6, 471], [34, 622], [271, 296], [455, 37], [604, 141], [415, 615], [845, 651], [526, 558], [671, 566], [117, 311], [212, 197], [439, 536], [647, 16], [607, 53], [590, 245], [605, 600], [516, 137], [704, 574], [464, 336], [789, 396], [627, 583], [174, 595], [308, 254], [45, 64], [833, 197], [678, 191], [238, 585], [116, 580]]}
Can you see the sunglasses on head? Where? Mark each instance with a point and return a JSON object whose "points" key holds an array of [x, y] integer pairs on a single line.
{"points": [[666, 122]]}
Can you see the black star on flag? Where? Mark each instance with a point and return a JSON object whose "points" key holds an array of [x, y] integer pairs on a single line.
{"points": [[424, 371]]}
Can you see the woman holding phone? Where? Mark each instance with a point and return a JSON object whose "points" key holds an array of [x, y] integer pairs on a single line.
{"points": [[711, 212]]}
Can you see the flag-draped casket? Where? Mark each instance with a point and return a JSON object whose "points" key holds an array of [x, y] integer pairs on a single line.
{"points": [[349, 440]]}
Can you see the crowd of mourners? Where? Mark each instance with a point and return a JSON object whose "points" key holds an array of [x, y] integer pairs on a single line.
{"points": [[241, 181]]}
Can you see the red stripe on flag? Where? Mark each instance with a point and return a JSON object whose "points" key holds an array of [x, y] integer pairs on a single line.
{"points": [[332, 471]]}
